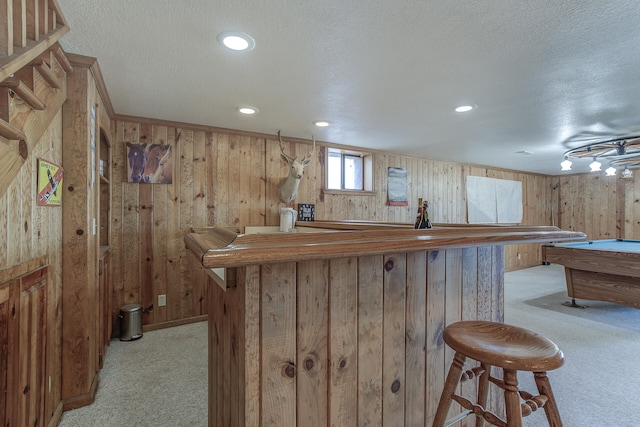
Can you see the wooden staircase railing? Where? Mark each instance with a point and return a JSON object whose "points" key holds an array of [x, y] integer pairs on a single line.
{"points": [[33, 69]]}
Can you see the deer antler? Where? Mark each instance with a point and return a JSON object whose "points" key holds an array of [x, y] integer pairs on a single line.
{"points": [[307, 158], [289, 159]]}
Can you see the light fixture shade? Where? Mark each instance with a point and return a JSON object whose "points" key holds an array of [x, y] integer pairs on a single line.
{"points": [[611, 171], [627, 173], [566, 164], [595, 166]]}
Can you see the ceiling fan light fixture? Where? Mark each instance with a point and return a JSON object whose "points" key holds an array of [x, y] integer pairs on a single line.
{"points": [[595, 165], [566, 164], [237, 41], [626, 173], [611, 171]]}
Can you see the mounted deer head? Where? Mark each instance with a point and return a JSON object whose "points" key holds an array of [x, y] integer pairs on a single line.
{"points": [[289, 187]]}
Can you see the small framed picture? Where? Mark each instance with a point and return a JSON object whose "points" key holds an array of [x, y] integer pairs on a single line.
{"points": [[306, 212], [49, 183]]}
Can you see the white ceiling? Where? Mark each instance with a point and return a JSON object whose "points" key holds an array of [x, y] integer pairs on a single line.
{"points": [[386, 74]]}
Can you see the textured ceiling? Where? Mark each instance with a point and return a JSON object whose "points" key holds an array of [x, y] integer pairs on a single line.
{"points": [[546, 75]]}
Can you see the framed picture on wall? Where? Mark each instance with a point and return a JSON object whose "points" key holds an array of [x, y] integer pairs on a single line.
{"points": [[49, 183], [149, 163]]}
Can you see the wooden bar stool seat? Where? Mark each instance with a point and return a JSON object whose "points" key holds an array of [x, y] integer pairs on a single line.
{"points": [[508, 347]]}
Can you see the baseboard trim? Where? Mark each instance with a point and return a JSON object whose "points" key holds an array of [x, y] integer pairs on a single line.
{"points": [[171, 323], [84, 399], [55, 417]]}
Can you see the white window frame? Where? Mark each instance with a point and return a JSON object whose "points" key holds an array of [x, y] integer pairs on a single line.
{"points": [[367, 166]]}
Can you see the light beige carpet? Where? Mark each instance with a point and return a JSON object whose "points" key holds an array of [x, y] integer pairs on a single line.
{"points": [[156, 381], [161, 379], [599, 384]]}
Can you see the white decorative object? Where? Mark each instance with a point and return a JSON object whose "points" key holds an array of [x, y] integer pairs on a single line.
{"points": [[289, 187], [288, 219]]}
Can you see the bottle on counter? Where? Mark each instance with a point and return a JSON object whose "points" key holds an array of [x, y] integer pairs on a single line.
{"points": [[422, 221]]}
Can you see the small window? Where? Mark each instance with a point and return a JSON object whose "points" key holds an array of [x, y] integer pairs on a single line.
{"points": [[347, 170]]}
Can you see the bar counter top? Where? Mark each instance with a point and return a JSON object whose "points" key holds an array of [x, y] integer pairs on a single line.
{"points": [[218, 247]]}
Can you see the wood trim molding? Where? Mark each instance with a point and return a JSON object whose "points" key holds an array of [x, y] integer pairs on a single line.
{"points": [[249, 249], [82, 61]]}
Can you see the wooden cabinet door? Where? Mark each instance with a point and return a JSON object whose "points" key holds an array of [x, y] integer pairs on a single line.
{"points": [[31, 349], [5, 325]]}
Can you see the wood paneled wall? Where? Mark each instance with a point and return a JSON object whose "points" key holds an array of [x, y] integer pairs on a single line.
{"points": [[31, 235], [603, 207], [231, 179]]}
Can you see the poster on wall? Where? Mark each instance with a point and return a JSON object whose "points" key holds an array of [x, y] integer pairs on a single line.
{"points": [[149, 163], [397, 186], [493, 201], [49, 183]]}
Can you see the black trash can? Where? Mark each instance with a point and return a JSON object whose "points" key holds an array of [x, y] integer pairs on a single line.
{"points": [[130, 322]]}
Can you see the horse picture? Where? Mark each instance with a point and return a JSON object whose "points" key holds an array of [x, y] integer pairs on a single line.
{"points": [[149, 163]]}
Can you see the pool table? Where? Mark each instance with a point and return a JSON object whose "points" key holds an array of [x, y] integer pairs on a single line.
{"points": [[602, 270]]}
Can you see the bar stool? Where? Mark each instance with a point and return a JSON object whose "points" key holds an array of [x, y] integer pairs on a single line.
{"points": [[510, 348]]}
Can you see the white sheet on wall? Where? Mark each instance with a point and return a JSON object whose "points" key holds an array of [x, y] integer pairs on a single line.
{"points": [[491, 200]]}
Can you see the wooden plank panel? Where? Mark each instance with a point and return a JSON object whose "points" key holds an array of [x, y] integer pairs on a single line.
{"points": [[415, 368], [278, 345], [199, 180], [147, 297], [312, 330], [118, 168], [257, 182], [235, 313], [245, 174], [160, 234], [222, 169], [469, 312], [175, 237], [199, 218], [215, 366], [343, 342], [436, 364], [186, 219], [211, 189], [275, 172], [251, 362], [393, 368], [453, 303], [370, 340], [131, 229], [14, 214], [27, 183], [5, 366], [4, 227]]}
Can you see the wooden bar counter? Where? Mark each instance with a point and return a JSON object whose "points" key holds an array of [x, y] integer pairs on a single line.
{"points": [[344, 328]]}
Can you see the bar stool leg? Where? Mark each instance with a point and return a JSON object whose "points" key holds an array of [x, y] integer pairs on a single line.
{"points": [[453, 378], [483, 391], [512, 398], [550, 408]]}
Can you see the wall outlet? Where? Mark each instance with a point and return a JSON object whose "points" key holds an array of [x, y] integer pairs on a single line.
{"points": [[162, 300], [519, 256]]}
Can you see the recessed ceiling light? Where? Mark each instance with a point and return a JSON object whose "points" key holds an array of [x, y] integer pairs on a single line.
{"points": [[321, 123], [247, 110], [236, 41], [466, 108]]}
